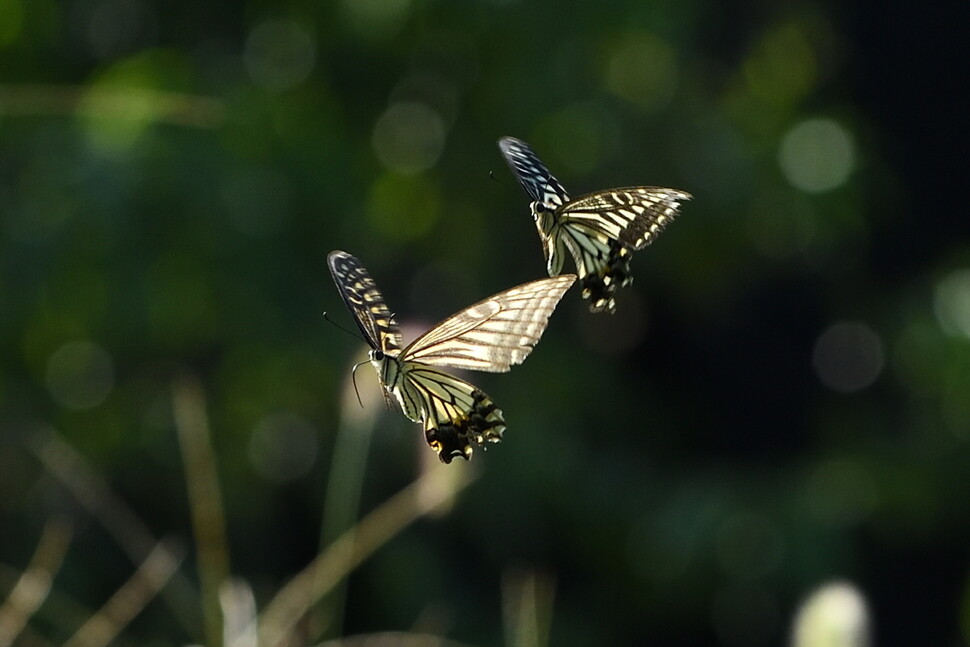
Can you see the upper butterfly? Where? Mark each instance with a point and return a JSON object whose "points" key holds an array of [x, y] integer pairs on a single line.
{"points": [[601, 230], [491, 335]]}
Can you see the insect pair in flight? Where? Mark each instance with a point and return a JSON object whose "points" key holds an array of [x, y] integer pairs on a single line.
{"points": [[599, 230]]}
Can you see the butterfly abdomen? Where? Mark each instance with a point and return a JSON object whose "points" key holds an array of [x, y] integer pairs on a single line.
{"points": [[390, 374]]}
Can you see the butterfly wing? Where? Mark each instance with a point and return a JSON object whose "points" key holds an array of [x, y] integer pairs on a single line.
{"points": [[365, 302], [603, 266], [531, 173], [635, 216], [455, 413], [602, 229], [491, 335], [494, 334]]}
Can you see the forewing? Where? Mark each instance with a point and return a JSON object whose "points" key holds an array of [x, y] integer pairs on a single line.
{"points": [[364, 300], [635, 216], [494, 334], [532, 174]]}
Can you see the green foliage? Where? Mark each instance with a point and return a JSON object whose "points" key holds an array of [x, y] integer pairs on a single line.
{"points": [[780, 399]]}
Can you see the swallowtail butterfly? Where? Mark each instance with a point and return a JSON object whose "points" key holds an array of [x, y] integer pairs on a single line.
{"points": [[492, 335], [600, 230]]}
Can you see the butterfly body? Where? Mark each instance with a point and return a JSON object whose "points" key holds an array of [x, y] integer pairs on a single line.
{"points": [[599, 230], [491, 335]]}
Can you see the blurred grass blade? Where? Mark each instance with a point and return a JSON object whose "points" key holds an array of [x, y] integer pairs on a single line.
{"points": [[239, 613], [132, 536], [342, 502], [834, 615], [435, 489], [31, 589], [527, 598], [129, 600], [393, 639], [31, 99], [205, 500]]}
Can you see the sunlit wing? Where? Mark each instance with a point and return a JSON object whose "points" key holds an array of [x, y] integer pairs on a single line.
{"points": [[532, 174], [365, 302], [635, 216], [603, 265], [494, 334], [456, 414]]}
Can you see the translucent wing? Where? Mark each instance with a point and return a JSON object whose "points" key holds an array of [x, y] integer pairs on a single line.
{"points": [[601, 230], [635, 216], [494, 334], [532, 174], [455, 413], [364, 300], [603, 265]]}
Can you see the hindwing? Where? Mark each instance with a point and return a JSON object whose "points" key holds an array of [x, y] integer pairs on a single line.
{"points": [[455, 414]]}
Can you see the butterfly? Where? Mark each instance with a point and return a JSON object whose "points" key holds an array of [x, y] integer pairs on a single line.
{"points": [[492, 335], [600, 230]]}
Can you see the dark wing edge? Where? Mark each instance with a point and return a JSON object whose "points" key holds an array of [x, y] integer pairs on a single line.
{"points": [[364, 301], [531, 173]]}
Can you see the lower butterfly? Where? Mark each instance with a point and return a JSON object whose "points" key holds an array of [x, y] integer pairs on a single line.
{"points": [[492, 335], [599, 230]]}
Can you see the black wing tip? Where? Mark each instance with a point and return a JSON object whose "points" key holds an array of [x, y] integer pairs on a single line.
{"points": [[514, 146], [508, 140], [677, 195], [340, 263], [338, 255]]}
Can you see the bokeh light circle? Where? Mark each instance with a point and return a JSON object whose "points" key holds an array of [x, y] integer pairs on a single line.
{"points": [[283, 447], [834, 614], [951, 303], [643, 71], [80, 375], [279, 55], [817, 155], [848, 356], [409, 137]]}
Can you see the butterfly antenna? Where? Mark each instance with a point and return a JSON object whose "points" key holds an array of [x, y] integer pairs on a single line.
{"points": [[491, 174], [349, 332], [353, 378]]}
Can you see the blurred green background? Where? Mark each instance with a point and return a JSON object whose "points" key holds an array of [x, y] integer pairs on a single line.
{"points": [[781, 399]]}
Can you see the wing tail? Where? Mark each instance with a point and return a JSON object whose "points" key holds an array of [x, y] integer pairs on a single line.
{"points": [[457, 415]]}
